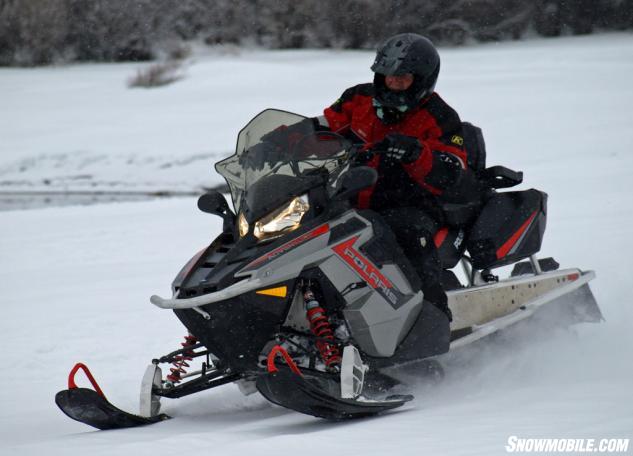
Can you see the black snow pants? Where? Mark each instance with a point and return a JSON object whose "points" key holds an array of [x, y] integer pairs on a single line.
{"points": [[414, 231]]}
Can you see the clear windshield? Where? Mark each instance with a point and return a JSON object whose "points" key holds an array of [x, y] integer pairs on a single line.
{"points": [[279, 142]]}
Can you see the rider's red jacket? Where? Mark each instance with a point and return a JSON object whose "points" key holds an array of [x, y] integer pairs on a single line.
{"points": [[433, 122]]}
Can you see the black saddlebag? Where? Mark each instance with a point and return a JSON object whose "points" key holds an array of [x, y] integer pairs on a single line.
{"points": [[509, 228]]}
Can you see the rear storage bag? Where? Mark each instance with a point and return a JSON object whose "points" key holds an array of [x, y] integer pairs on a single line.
{"points": [[510, 227]]}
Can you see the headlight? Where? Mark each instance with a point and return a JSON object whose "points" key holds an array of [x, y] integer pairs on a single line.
{"points": [[283, 220], [242, 225]]}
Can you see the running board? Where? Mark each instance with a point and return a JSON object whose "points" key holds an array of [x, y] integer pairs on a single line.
{"points": [[572, 280]]}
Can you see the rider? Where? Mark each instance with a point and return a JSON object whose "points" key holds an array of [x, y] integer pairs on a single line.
{"points": [[418, 142]]}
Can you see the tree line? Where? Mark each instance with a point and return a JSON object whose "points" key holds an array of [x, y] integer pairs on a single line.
{"points": [[39, 32]]}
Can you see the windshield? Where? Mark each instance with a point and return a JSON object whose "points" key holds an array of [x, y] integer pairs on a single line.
{"points": [[279, 142]]}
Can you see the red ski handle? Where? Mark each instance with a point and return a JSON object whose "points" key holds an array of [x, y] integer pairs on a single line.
{"points": [[83, 367], [278, 350]]}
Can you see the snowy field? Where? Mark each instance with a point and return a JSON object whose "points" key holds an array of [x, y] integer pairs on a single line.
{"points": [[75, 281]]}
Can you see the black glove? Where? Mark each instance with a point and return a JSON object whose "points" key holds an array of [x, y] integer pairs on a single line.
{"points": [[397, 147]]}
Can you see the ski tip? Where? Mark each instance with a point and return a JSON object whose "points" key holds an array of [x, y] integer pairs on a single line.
{"points": [[89, 407]]}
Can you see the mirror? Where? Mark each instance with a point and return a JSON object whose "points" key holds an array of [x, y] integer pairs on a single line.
{"points": [[213, 202]]}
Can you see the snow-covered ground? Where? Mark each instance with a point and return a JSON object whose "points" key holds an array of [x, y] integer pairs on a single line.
{"points": [[75, 281]]}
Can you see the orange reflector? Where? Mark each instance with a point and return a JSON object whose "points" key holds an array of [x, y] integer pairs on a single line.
{"points": [[279, 292]]}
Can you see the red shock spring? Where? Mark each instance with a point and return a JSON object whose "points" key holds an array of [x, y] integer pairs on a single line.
{"points": [[180, 361], [320, 326]]}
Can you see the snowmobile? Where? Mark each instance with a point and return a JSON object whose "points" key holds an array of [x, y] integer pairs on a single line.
{"points": [[310, 301]]}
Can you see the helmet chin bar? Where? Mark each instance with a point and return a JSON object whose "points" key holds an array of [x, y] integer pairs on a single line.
{"points": [[401, 101], [391, 106], [388, 115]]}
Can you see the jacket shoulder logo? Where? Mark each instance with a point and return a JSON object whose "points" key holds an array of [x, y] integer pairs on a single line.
{"points": [[456, 139]]}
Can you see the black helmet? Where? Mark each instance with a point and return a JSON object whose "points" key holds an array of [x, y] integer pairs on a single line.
{"points": [[399, 55]]}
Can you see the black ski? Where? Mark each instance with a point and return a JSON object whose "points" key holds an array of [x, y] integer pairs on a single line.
{"points": [[91, 408], [292, 391]]}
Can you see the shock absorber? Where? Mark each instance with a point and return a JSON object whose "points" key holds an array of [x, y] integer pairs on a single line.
{"points": [[320, 327], [180, 361]]}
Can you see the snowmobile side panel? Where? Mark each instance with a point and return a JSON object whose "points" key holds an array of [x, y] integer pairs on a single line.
{"points": [[294, 392], [89, 407], [429, 336]]}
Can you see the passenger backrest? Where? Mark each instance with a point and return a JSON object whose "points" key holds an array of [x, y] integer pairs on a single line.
{"points": [[475, 146]]}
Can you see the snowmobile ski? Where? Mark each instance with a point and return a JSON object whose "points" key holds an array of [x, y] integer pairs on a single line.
{"points": [[92, 408], [89, 407], [293, 391]]}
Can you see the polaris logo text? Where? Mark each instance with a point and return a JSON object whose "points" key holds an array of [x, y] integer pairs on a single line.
{"points": [[366, 270], [370, 274], [548, 446]]}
